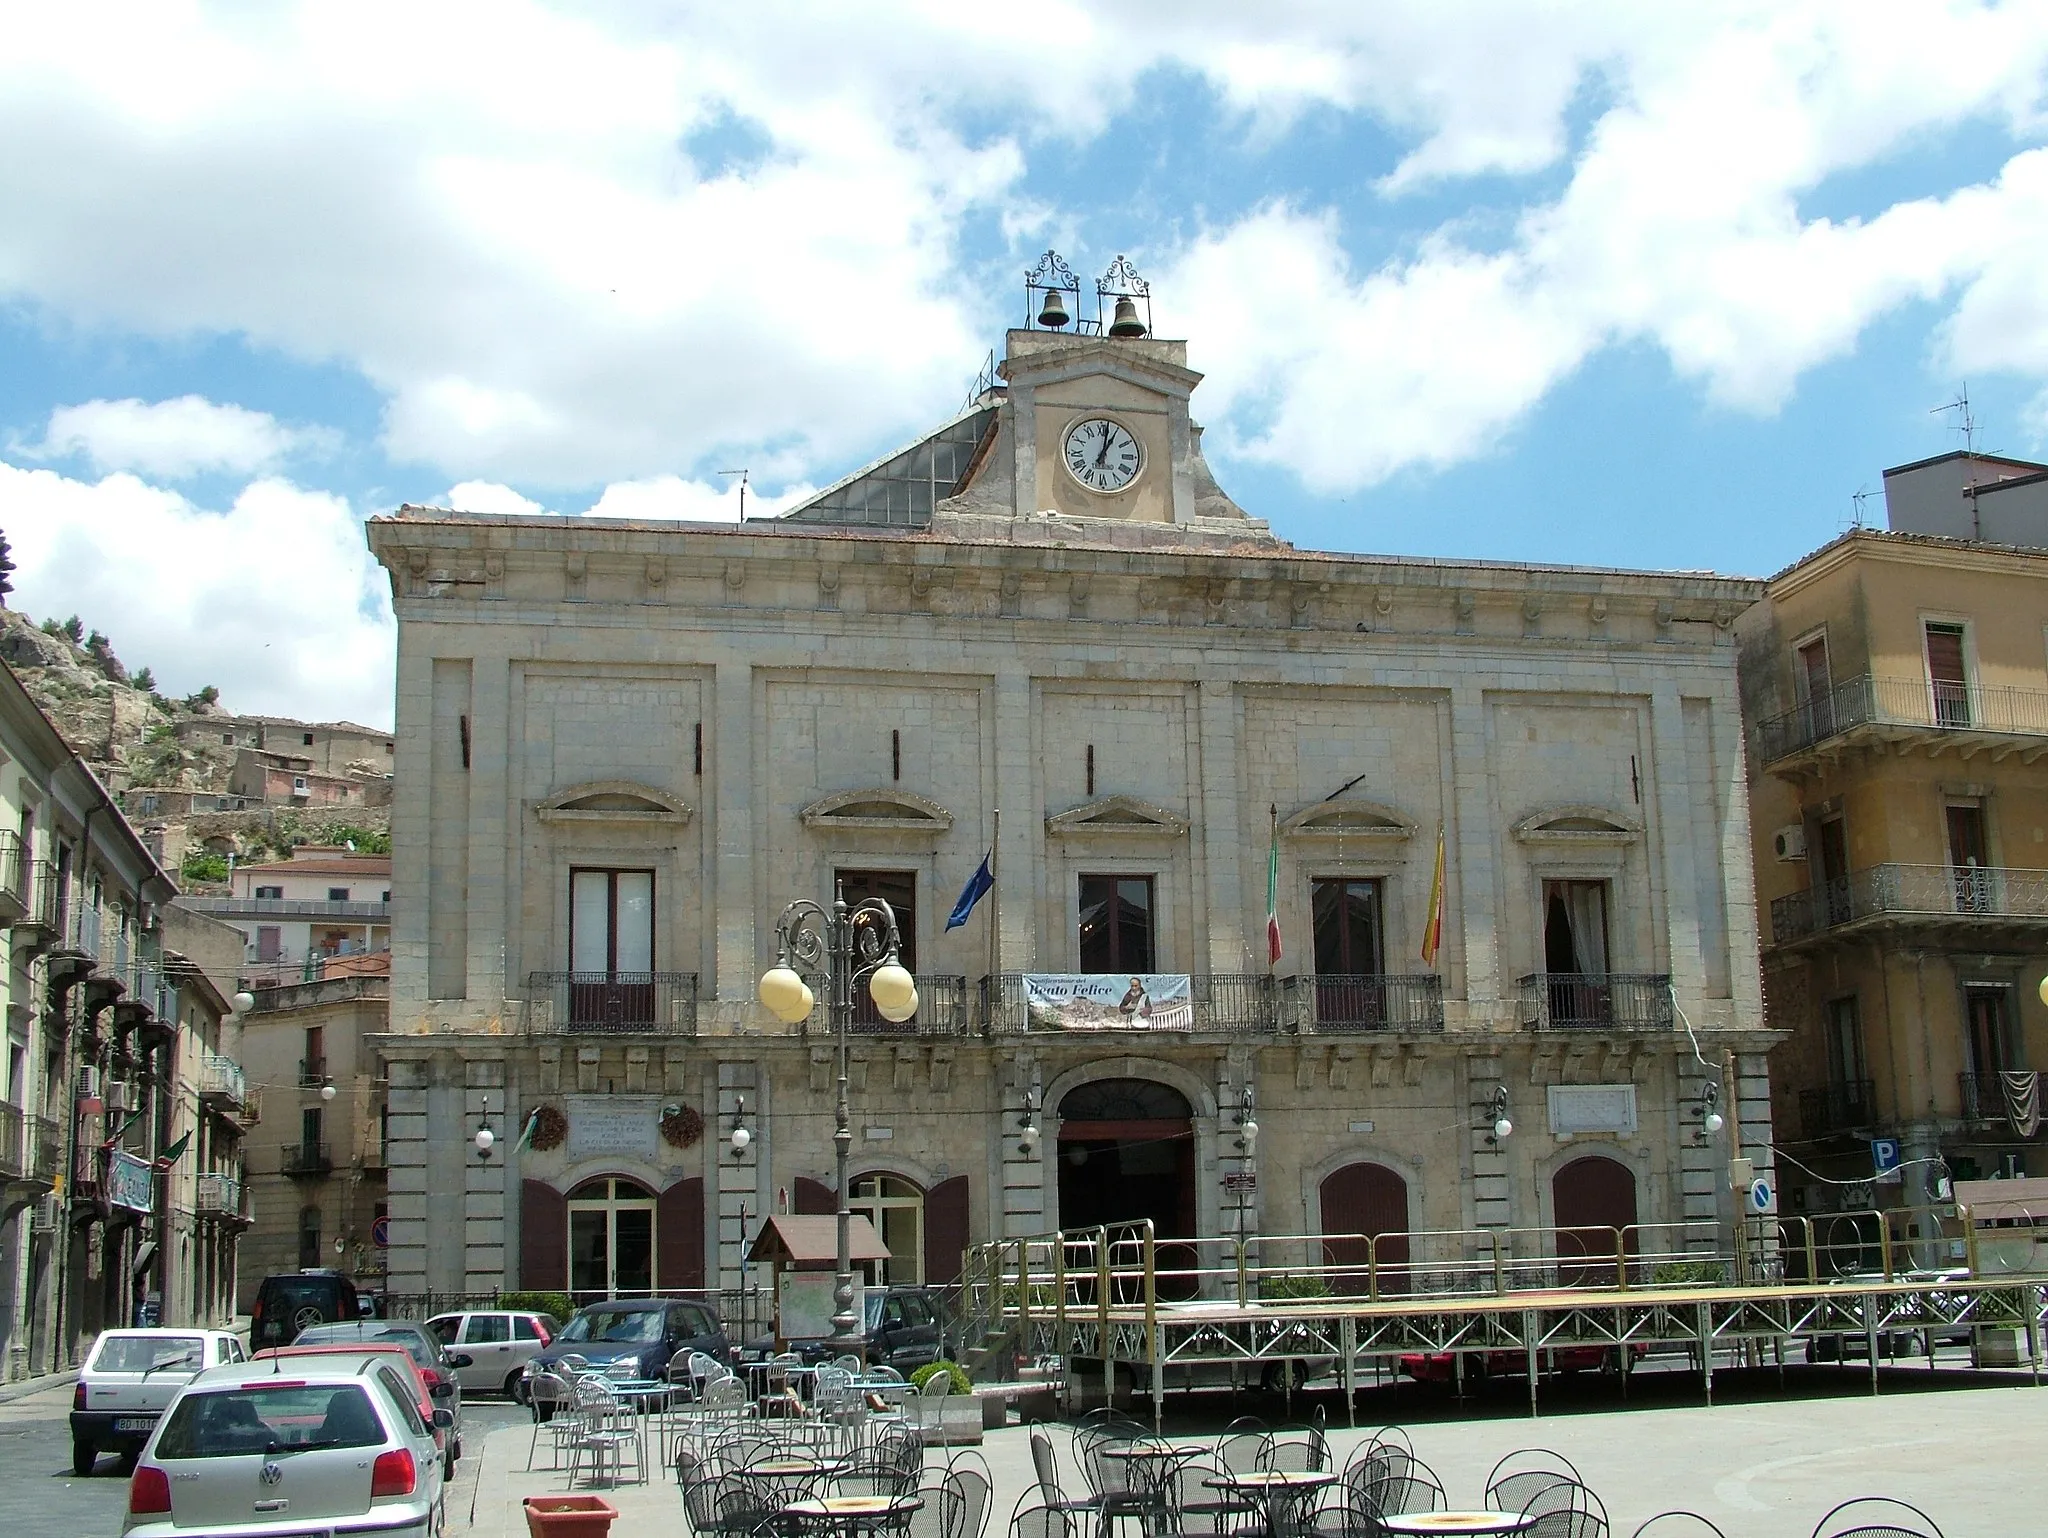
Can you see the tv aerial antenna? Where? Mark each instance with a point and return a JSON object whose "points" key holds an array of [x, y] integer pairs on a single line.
{"points": [[742, 474], [1965, 421], [1857, 519]]}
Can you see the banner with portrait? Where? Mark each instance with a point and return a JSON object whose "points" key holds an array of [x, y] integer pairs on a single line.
{"points": [[1109, 1001]]}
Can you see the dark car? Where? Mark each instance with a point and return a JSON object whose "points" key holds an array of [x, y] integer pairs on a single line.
{"points": [[297, 1300], [905, 1329], [635, 1337]]}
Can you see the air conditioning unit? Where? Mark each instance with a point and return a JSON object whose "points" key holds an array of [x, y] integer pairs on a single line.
{"points": [[119, 1098], [1789, 843], [50, 1212], [88, 1082]]}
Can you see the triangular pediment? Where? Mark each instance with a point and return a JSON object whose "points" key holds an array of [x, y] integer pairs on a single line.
{"points": [[1578, 824], [1125, 815], [614, 801], [1348, 819], [891, 810]]}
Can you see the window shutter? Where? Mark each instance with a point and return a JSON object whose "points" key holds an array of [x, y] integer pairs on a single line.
{"points": [[813, 1198], [543, 1237], [945, 1229], [679, 1236]]}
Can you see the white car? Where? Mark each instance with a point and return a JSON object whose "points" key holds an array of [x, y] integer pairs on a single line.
{"points": [[127, 1380], [269, 1449], [499, 1343]]}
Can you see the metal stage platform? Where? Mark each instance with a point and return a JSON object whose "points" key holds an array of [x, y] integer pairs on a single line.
{"points": [[1092, 1303]]}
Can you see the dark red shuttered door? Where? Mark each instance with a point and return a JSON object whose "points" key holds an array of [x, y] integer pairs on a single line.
{"points": [[1594, 1201], [1368, 1200], [679, 1237], [543, 1237], [812, 1198], [945, 1229]]}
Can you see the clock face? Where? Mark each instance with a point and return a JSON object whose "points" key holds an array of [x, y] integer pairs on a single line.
{"points": [[1102, 455]]}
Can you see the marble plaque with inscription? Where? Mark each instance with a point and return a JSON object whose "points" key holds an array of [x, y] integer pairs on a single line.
{"points": [[613, 1124]]}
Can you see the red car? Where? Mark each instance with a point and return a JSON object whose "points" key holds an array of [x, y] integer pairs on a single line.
{"points": [[422, 1398], [1438, 1367]]}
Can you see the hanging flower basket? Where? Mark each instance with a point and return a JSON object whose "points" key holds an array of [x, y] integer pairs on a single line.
{"points": [[682, 1126]]}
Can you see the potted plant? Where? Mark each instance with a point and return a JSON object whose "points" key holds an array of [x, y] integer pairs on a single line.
{"points": [[569, 1516]]}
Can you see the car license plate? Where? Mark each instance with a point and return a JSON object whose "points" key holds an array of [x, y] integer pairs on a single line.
{"points": [[135, 1423]]}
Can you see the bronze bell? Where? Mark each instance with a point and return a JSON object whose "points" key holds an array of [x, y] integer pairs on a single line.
{"points": [[1126, 322], [1053, 313]]}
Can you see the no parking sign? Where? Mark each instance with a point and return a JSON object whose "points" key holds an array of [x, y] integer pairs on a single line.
{"points": [[1763, 1196]]}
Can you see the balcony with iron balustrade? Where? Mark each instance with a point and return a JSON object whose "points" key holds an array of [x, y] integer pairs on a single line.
{"points": [[1219, 1003], [221, 1197], [1967, 903], [1995, 1099], [222, 1084], [944, 1008], [1901, 714], [611, 1003], [1843, 1106], [1597, 1001], [1366, 1003], [14, 880], [307, 1160]]}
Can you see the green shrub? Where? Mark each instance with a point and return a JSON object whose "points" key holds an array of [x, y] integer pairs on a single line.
{"points": [[1687, 1273], [962, 1384], [554, 1304], [1284, 1286], [204, 865]]}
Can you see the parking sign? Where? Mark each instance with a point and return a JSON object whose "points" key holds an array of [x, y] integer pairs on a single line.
{"points": [[1884, 1157]]}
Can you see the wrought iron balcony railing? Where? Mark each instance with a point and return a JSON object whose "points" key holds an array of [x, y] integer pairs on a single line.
{"points": [[307, 1159], [1597, 1001], [312, 1072], [1248, 1003], [1951, 894], [289, 908], [1838, 1107], [1337, 1004], [218, 1195], [943, 1009], [612, 1003], [1998, 1097], [1907, 703], [221, 1079], [45, 895]]}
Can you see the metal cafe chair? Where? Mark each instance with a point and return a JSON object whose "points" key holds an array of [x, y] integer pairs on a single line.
{"points": [[1679, 1524], [1521, 1474], [1876, 1516]]}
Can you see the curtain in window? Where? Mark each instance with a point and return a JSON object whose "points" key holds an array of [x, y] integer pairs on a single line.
{"points": [[1585, 906]]}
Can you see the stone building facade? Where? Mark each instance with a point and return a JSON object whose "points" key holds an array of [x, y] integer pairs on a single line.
{"points": [[624, 748]]}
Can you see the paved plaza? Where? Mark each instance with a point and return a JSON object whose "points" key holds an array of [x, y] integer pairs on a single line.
{"points": [[1763, 1463]]}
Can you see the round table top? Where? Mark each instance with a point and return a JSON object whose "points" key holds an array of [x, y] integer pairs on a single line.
{"points": [[1136, 1450], [1458, 1522], [1276, 1479], [853, 1506], [793, 1466]]}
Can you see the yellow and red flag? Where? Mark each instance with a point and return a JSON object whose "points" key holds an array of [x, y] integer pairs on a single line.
{"points": [[1433, 930]]}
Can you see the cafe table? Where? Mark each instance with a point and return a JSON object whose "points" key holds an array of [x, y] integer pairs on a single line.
{"points": [[1426, 1524], [642, 1396], [1283, 1492], [854, 1513]]}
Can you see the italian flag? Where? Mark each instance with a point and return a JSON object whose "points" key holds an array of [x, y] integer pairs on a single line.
{"points": [[1273, 895]]}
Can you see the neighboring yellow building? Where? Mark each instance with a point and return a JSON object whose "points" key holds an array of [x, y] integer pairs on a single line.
{"points": [[1896, 688]]}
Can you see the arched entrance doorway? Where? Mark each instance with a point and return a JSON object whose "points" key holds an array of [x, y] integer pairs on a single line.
{"points": [[1127, 1153], [611, 1239], [1365, 1200], [1593, 1200]]}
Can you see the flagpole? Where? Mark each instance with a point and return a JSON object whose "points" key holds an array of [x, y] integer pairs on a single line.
{"points": [[995, 901]]}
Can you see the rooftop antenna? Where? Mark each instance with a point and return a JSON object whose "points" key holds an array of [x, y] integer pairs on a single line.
{"points": [[1861, 496], [742, 474], [1966, 423]]}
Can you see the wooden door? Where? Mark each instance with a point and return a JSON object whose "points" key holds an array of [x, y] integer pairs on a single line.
{"points": [[1363, 1201], [1593, 1201]]}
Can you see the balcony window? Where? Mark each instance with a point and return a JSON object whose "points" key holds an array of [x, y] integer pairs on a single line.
{"points": [[1987, 1021], [1814, 684], [270, 894], [1947, 675], [1116, 924], [1845, 1042], [337, 894], [611, 1239], [269, 942], [1575, 950], [1968, 857], [898, 888], [1350, 950], [611, 945]]}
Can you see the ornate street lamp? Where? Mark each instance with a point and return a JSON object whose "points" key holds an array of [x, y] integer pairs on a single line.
{"points": [[847, 944]]}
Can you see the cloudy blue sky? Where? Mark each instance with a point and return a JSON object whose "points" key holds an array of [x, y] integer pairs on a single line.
{"points": [[1660, 285]]}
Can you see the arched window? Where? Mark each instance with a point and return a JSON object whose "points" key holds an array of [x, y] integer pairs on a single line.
{"points": [[896, 1207], [611, 1239]]}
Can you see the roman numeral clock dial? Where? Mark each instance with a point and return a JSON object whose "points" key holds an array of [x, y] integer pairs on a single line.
{"points": [[1102, 455]]}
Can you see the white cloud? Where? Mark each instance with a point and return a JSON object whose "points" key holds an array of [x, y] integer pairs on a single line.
{"points": [[496, 211], [670, 496], [489, 497], [274, 599], [175, 439]]}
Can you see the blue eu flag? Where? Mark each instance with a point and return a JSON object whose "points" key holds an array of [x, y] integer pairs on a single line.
{"points": [[977, 888]]}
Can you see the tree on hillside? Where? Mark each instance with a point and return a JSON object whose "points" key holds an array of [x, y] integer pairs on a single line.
{"points": [[6, 567], [203, 698], [73, 630], [145, 680]]}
